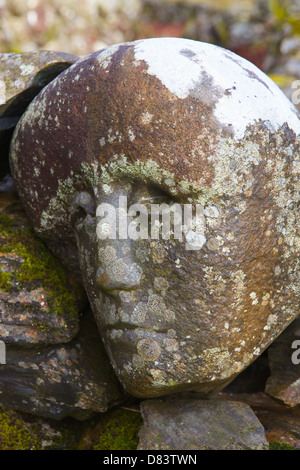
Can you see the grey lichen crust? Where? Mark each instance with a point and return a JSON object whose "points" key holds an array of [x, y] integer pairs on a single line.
{"points": [[203, 126], [23, 75]]}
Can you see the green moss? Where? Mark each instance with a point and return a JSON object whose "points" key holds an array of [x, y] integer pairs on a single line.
{"points": [[120, 430], [5, 281], [15, 435], [38, 268], [6, 226], [22, 431], [275, 445]]}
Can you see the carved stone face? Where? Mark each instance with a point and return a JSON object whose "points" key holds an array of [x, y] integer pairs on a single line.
{"points": [[172, 318], [151, 299], [158, 121]]}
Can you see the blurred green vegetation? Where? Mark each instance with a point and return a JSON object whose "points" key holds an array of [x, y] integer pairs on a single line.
{"points": [[281, 12]]}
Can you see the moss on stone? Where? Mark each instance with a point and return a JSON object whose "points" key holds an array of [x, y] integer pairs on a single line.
{"points": [[275, 445], [5, 281], [120, 430], [22, 431], [6, 226], [38, 268], [15, 435]]}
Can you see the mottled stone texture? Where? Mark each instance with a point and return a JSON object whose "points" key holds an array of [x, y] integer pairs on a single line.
{"points": [[22, 76], [189, 424], [39, 301], [71, 379], [170, 120], [56, 365], [284, 359], [281, 423]]}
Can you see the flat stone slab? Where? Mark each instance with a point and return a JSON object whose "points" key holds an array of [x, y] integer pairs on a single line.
{"points": [[281, 422], [71, 379], [192, 424]]}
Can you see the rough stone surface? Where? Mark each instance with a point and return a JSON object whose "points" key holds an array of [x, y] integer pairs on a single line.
{"points": [[71, 379], [39, 301], [284, 359], [171, 318], [183, 424], [22, 76], [281, 423]]}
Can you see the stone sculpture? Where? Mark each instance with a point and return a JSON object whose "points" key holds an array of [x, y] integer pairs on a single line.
{"points": [[170, 121]]}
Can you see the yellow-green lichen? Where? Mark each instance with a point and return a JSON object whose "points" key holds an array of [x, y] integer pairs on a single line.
{"points": [[37, 268], [150, 172]]}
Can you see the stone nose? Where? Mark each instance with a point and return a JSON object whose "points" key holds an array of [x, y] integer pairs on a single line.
{"points": [[118, 273]]}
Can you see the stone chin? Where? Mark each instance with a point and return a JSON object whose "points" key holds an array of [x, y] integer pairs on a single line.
{"points": [[152, 362]]}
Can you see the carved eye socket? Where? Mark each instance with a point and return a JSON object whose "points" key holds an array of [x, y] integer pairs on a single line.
{"points": [[152, 195], [82, 205]]}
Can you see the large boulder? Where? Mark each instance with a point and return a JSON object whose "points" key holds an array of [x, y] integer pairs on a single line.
{"points": [[169, 120]]}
